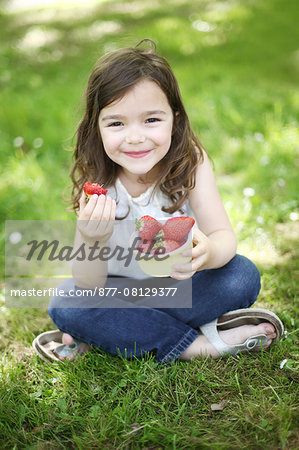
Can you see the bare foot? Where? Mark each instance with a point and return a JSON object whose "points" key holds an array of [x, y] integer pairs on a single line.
{"points": [[238, 335]]}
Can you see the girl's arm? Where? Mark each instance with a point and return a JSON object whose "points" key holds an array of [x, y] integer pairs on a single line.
{"points": [[214, 242], [94, 228]]}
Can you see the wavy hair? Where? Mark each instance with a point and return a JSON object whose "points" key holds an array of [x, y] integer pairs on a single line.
{"points": [[112, 77]]}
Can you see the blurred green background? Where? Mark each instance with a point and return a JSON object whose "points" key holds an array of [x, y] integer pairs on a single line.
{"points": [[236, 63]]}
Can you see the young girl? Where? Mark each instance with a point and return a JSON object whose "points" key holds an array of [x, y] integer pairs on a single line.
{"points": [[135, 139]]}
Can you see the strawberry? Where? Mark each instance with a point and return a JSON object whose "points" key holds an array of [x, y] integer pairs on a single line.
{"points": [[176, 228], [148, 227], [94, 188], [168, 244], [153, 247], [147, 246]]}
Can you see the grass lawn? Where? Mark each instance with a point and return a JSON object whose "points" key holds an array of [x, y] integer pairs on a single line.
{"points": [[236, 62]]}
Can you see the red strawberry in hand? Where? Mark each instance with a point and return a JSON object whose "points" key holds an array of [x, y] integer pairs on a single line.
{"points": [[177, 228], [148, 227], [94, 188]]}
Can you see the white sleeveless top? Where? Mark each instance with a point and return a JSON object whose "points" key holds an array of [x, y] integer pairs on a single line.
{"points": [[121, 264]]}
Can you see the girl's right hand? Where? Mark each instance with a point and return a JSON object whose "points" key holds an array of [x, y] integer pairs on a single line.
{"points": [[96, 217]]}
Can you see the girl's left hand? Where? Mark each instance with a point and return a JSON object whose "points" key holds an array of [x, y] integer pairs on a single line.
{"points": [[201, 254]]}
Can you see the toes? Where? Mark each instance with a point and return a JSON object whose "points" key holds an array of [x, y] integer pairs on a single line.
{"points": [[67, 339], [268, 329], [83, 348]]}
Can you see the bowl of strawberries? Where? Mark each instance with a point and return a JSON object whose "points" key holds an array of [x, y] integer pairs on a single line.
{"points": [[159, 243]]}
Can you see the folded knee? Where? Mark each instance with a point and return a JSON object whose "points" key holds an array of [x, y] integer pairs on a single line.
{"points": [[243, 280]]}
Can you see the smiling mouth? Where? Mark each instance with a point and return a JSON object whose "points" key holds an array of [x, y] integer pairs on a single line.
{"points": [[137, 154]]}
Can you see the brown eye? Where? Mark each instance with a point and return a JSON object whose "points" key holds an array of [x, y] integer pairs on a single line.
{"points": [[115, 124], [152, 120]]}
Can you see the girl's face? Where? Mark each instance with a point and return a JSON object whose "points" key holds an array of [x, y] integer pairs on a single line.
{"points": [[136, 129]]}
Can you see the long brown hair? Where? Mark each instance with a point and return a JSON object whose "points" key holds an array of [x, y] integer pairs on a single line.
{"points": [[113, 75]]}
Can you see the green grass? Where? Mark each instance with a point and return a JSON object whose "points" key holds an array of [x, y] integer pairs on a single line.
{"points": [[105, 402], [238, 82]]}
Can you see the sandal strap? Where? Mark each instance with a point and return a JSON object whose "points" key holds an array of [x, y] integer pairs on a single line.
{"points": [[258, 341], [211, 333], [63, 350]]}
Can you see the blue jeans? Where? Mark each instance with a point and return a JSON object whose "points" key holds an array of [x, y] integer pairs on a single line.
{"points": [[164, 332]]}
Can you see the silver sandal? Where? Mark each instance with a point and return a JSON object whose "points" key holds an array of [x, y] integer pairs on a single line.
{"points": [[49, 347], [250, 316]]}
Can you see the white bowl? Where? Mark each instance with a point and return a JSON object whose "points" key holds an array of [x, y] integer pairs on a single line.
{"points": [[162, 265]]}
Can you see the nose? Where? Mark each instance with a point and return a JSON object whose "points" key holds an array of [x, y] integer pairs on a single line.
{"points": [[135, 137]]}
